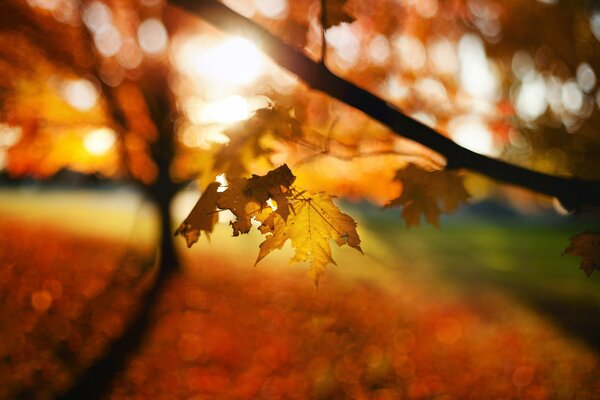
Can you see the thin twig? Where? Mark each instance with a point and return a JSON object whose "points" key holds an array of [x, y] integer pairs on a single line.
{"points": [[323, 39]]}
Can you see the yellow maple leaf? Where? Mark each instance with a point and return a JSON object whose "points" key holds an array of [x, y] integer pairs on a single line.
{"points": [[587, 246], [314, 222], [428, 193], [275, 229], [203, 216]]}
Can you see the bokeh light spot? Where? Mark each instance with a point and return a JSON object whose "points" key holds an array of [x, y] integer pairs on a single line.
{"points": [[99, 141], [476, 75], [273, 9], [471, 132], [531, 99], [379, 49], [523, 375], [586, 78], [80, 94], [108, 41], [571, 96], [448, 330], [41, 300], [152, 36], [97, 16]]}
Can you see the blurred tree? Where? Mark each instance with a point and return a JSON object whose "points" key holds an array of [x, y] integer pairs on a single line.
{"points": [[142, 91]]}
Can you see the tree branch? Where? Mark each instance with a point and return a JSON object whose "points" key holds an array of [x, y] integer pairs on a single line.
{"points": [[574, 194]]}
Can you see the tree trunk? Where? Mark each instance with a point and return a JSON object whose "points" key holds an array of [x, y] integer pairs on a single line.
{"points": [[96, 380]]}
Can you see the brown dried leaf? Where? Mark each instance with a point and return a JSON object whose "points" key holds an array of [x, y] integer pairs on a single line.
{"points": [[587, 246], [428, 193], [335, 14], [247, 197], [203, 216]]}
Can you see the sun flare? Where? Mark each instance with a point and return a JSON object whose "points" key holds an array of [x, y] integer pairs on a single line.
{"points": [[232, 62]]}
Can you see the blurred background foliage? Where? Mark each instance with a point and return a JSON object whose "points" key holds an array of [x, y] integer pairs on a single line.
{"points": [[506, 79]]}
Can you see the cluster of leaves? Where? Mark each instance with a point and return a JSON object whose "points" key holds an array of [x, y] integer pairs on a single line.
{"points": [[62, 304], [309, 220]]}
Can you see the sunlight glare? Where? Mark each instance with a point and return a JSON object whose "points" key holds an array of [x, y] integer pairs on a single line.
{"points": [[476, 75], [202, 137], [222, 180], [226, 111], [234, 61], [99, 141]]}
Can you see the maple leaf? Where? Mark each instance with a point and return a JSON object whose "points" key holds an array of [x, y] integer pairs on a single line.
{"points": [[252, 143], [335, 14], [428, 193], [275, 229], [316, 221], [247, 197], [587, 246], [203, 216]]}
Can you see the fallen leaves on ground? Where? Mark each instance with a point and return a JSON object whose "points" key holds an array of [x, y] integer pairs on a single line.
{"points": [[221, 331], [63, 299]]}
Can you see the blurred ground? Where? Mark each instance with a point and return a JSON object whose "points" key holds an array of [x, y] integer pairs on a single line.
{"points": [[483, 308]]}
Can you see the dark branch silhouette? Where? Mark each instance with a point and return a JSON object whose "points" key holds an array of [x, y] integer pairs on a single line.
{"points": [[574, 194]]}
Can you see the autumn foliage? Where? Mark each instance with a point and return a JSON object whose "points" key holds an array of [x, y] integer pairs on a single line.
{"points": [[394, 102], [309, 220]]}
